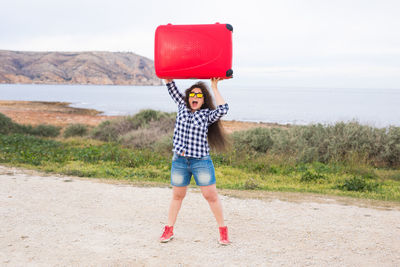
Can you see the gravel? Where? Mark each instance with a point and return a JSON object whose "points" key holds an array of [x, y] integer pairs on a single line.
{"points": [[63, 221]]}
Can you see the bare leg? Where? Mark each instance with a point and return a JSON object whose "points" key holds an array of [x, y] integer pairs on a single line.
{"points": [[211, 195], [178, 194]]}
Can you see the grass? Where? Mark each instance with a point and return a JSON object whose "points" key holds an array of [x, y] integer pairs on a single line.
{"points": [[255, 162]]}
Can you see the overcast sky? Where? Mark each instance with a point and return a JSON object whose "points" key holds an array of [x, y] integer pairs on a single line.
{"points": [[305, 43]]}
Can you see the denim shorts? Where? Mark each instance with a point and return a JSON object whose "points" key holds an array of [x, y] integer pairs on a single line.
{"points": [[183, 168]]}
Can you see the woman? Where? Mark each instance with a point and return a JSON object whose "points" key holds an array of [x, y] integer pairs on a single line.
{"points": [[197, 125]]}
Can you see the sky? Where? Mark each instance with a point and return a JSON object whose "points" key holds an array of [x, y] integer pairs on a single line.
{"points": [[280, 43]]}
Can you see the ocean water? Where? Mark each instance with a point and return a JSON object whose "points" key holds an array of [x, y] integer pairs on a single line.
{"points": [[375, 107]]}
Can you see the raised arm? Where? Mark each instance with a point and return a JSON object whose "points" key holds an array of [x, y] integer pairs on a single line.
{"points": [[174, 92], [222, 106], [218, 97]]}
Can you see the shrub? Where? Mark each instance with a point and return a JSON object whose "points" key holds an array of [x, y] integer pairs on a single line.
{"points": [[251, 184], [258, 140], [148, 135], [350, 138], [76, 130], [164, 145], [105, 131], [391, 149], [6, 125], [361, 171], [113, 130], [310, 176], [342, 142], [43, 130], [145, 116], [320, 167], [139, 138], [357, 183]]}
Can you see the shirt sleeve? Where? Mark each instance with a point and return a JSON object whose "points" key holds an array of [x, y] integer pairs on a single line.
{"points": [[175, 94], [217, 113]]}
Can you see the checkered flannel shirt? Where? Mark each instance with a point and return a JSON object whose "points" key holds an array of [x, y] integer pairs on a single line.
{"points": [[191, 128]]}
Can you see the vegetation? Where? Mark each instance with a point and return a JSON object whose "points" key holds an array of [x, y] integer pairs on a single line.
{"points": [[144, 123], [342, 159], [7, 126], [342, 142], [76, 130]]}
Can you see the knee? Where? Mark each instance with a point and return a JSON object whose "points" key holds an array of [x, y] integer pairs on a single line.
{"points": [[179, 196], [211, 196]]}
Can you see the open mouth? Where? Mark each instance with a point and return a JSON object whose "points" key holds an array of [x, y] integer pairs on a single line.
{"points": [[194, 103]]}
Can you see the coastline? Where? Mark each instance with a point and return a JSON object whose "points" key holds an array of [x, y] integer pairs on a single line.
{"points": [[62, 114]]}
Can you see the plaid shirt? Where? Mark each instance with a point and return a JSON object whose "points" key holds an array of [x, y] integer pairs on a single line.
{"points": [[191, 128]]}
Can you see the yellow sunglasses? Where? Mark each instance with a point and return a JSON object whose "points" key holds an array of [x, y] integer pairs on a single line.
{"points": [[199, 95]]}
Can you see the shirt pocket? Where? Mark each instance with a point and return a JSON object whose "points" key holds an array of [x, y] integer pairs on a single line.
{"points": [[182, 115], [200, 120]]}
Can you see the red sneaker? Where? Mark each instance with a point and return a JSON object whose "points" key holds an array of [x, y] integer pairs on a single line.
{"points": [[168, 234], [223, 234]]}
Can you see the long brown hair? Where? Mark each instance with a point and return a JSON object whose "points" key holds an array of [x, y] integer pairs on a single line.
{"points": [[217, 137]]}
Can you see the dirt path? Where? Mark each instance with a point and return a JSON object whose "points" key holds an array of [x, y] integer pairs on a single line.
{"points": [[64, 221]]}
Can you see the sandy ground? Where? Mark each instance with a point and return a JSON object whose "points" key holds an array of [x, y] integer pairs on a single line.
{"points": [[61, 114], [54, 113], [67, 221]]}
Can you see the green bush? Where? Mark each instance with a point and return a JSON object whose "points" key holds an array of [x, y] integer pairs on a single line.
{"points": [[320, 167], [43, 130], [76, 130], [113, 130], [362, 171], [258, 140], [310, 176], [149, 134], [105, 131], [251, 184], [391, 149], [6, 125], [146, 116], [357, 183], [163, 145], [342, 142]]}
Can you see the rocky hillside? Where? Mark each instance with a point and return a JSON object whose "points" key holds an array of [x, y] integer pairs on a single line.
{"points": [[76, 68]]}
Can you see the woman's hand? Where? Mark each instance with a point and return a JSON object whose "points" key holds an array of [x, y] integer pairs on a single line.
{"points": [[167, 80], [214, 83], [219, 100]]}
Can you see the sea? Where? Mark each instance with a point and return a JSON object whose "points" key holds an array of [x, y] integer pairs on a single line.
{"points": [[282, 105]]}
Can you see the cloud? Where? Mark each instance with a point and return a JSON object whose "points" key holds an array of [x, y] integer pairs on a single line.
{"points": [[137, 42], [285, 38]]}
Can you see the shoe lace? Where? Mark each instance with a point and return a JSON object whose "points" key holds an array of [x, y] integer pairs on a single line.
{"points": [[224, 234], [167, 230]]}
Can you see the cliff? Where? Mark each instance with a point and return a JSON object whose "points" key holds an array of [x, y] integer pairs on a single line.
{"points": [[76, 68]]}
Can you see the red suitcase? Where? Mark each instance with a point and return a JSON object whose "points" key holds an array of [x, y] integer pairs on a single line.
{"points": [[193, 51]]}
